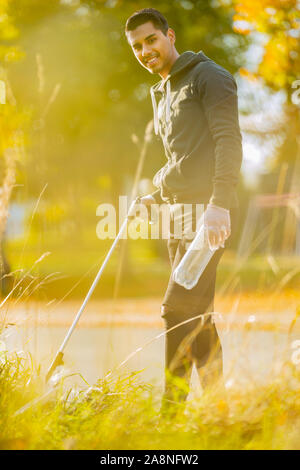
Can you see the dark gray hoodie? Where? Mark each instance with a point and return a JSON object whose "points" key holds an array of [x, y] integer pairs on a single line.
{"points": [[196, 115]]}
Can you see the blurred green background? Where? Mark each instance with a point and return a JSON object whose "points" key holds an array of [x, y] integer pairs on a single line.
{"points": [[72, 131]]}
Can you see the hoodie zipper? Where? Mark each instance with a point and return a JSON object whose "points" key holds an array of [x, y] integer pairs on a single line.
{"points": [[163, 124], [166, 96]]}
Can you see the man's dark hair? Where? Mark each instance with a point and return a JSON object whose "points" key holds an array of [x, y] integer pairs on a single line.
{"points": [[143, 16]]}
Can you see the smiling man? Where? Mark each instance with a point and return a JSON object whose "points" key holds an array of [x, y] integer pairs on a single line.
{"points": [[196, 115], [151, 46]]}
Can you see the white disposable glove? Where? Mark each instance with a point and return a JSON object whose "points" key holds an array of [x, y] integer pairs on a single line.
{"points": [[217, 225], [147, 201]]}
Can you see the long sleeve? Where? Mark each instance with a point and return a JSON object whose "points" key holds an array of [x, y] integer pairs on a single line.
{"points": [[156, 195], [158, 182], [218, 94]]}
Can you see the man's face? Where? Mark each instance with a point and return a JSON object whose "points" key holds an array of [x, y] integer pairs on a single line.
{"points": [[152, 48]]}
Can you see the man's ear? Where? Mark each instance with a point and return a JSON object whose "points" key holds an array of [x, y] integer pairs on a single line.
{"points": [[171, 35]]}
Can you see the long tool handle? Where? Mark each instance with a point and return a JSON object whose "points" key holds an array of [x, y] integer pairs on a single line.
{"points": [[59, 355]]}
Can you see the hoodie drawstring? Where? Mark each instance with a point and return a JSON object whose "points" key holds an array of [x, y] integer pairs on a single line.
{"points": [[168, 100], [155, 111]]}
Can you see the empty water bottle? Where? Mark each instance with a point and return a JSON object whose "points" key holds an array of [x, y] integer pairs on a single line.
{"points": [[195, 260]]}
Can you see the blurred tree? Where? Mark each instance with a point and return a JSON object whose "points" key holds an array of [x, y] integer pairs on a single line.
{"points": [[87, 95], [278, 22], [104, 94], [12, 122]]}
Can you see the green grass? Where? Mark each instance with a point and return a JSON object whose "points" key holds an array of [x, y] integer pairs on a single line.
{"points": [[124, 414], [75, 262]]}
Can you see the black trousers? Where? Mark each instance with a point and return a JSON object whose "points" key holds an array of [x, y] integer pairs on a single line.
{"points": [[196, 341]]}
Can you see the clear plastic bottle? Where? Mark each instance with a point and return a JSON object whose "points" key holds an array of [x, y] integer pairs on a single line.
{"points": [[195, 260]]}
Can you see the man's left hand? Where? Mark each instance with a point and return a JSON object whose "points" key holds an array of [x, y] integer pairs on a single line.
{"points": [[217, 225]]}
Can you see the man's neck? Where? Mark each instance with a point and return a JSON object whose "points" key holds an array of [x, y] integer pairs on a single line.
{"points": [[166, 72]]}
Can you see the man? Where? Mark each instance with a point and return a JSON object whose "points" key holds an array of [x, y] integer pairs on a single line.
{"points": [[196, 114]]}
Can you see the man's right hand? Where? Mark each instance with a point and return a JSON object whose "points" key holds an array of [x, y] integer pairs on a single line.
{"points": [[147, 200]]}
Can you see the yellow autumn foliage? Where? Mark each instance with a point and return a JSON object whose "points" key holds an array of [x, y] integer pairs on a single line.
{"points": [[278, 21]]}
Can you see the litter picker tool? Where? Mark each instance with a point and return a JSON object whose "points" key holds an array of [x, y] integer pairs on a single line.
{"points": [[58, 360]]}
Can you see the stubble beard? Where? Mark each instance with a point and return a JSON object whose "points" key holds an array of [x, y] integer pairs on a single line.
{"points": [[158, 68]]}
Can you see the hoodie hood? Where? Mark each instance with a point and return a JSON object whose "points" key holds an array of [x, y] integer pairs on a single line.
{"points": [[184, 62]]}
